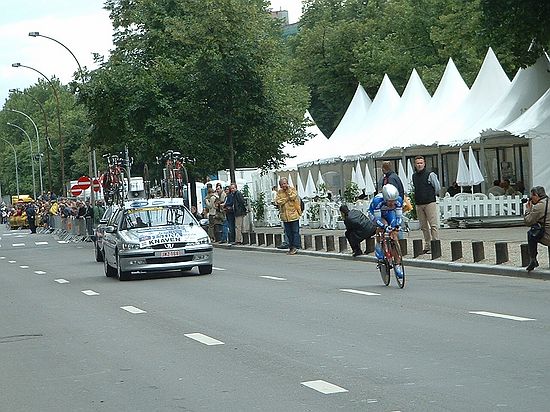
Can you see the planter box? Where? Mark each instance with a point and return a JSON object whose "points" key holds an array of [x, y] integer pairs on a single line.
{"points": [[314, 224], [341, 225]]}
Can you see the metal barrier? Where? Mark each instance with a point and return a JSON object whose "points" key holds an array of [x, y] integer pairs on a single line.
{"points": [[69, 228]]}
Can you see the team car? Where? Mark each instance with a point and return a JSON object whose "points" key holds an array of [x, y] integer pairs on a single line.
{"points": [[154, 235]]}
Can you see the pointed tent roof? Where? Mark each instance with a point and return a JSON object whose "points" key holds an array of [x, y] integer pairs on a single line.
{"points": [[527, 87], [449, 95], [535, 122], [381, 113], [489, 86], [311, 150], [353, 118], [413, 106]]}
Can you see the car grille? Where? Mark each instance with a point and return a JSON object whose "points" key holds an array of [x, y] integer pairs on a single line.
{"points": [[176, 246], [177, 259]]}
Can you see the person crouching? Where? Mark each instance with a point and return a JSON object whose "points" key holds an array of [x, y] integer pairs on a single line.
{"points": [[358, 228]]}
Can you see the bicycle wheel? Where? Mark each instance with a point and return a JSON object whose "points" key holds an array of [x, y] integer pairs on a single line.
{"points": [[384, 267], [397, 256]]}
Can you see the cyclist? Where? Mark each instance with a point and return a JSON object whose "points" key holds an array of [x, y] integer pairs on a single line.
{"points": [[386, 213]]}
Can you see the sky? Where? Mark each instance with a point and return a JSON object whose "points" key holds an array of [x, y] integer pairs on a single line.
{"points": [[81, 25]]}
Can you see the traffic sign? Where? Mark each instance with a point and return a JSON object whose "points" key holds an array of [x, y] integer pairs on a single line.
{"points": [[84, 182], [76, 190], [96, 185]]}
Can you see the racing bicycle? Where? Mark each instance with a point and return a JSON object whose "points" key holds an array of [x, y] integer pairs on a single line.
{"points": [[392, 254]]}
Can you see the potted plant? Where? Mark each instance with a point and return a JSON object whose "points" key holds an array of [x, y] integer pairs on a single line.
{"points": [[340, 222], [351, 192], [258, 207], [412, 217], [312, 213]]}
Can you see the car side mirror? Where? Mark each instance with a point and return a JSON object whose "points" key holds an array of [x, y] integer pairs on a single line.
{"points": [[203, 222], [110, 229], [102, 221]]}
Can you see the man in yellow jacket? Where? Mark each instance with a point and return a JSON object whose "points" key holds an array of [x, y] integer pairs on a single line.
{"points": [[289, 207]]}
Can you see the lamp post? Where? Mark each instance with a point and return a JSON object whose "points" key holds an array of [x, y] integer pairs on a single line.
{"points": [[49, 145], [32, 156], [16, 172], [38, 148], [61, 143]]}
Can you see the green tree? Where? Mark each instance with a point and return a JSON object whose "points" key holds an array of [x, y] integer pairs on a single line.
{"points": [[208, 78]]}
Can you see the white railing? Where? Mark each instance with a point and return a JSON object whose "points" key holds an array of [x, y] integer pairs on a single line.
{"points": [[479, 205]]}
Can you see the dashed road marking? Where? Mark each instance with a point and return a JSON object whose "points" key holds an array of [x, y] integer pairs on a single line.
{"points": [[360, 292], [63, 241], [132, 309], [61, 281], [207, 340], [23, 266], [273, 277], [39, 272], [2, 257], [324, 387], [90, 292], [18, 244], [215, 268], [40, 243], [12, 261], [500, 315]]}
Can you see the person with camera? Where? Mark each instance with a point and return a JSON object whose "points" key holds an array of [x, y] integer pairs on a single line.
{"points": [[536, 210]]}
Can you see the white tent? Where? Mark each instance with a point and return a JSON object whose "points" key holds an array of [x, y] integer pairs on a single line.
{"points": [[369, 184], [320, 180], [463, 174], [359, 179], [300, 187], [311, 190], [475, 173], [403, 177]]}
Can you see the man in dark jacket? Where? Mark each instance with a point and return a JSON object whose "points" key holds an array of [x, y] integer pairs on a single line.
{"points": [[239, 208], [358, 228], [392, 178], [31, 217]]}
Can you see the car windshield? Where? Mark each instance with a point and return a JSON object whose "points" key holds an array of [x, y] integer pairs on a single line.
{"points": [[157, 216]]}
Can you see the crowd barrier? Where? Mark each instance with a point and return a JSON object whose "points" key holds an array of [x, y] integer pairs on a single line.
{"points": [[70, 228]]}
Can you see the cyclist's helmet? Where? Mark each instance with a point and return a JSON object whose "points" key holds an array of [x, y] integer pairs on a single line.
{"points": [[390, 192]]}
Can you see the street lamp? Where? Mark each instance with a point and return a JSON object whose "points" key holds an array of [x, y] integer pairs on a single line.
{"points": [[16, 172], [38, 147], [49, 145], [32, 156], [61, 143]]}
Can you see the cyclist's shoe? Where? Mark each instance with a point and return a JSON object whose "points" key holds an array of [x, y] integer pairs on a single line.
{"points": [[378, 252], [399, 271]]}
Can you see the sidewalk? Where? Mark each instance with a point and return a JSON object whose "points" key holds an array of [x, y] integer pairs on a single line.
{"points": [[514, 236]]}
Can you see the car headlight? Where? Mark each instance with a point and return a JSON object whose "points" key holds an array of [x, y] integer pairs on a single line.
{"points": [[129, 246], [203, 240]]}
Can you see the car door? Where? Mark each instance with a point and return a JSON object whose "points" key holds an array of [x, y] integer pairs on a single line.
{"points": [[110, 239]]}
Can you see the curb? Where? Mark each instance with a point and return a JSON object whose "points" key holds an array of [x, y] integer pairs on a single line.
{"points": [[496, 270]]}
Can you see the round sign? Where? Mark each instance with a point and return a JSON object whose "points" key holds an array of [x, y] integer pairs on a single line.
{"points": [[84, 182], [96, 185], [76, 190]]}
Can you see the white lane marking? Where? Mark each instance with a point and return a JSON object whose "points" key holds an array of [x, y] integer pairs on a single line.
{"points": [[272, 277], [207, 340], [2, 257], [360, 292], [132, 309], [89, 292], [12, 261], [40, 243], [61, 281], [20, 235], [500, 315], [62, 241], [17, 244], [24, 267], [324, 387], [39, 272], [215, 268]]}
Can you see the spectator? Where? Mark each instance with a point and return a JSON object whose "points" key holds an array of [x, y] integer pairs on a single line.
{"points": [[496, 189], [211, 201], [239, 208], [426, 188], [392, 178], [225, 226], [454, 189], [290, 210], [230, 215], [31, 217], [358, 228], [520, 187], [508, 189], [536, 211]]}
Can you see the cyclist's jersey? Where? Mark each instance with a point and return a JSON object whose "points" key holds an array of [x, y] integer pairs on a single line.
{"points": [[379, 210]]}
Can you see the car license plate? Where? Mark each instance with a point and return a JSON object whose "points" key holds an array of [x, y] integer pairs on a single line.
{"points": [[171, 253]]}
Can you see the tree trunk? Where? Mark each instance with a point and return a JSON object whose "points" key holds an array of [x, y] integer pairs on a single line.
{"points": [[229, 136]]}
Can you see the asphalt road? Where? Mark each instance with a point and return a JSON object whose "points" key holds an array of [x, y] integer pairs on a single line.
{"points": [[264, 332]]}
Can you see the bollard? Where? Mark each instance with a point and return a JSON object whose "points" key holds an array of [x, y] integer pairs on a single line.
{"points": [[478, 251], [308, 241], [417, 247], [261, 239], [456, 250], [435, 246], [269, 239], [246, 238], [403, 246], [342, 244], [253, 238], [501, 251], [318, 242], [369, 247], [329, 239], [278, 239], [524, 254]]}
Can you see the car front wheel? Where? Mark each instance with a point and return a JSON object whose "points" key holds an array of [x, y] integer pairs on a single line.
{"points": [[205, 270], [120, 274], [109, 271]]}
